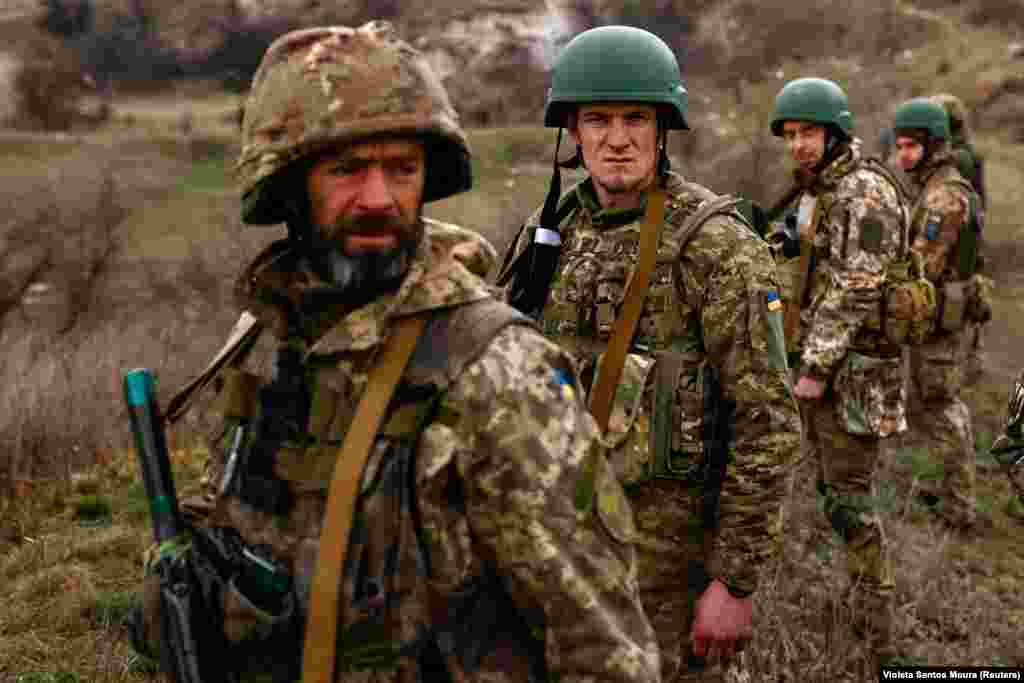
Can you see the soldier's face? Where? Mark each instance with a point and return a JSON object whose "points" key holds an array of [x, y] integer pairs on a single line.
{"points": [[909, 152], [805, 142], [620, 144], [368, 196]]}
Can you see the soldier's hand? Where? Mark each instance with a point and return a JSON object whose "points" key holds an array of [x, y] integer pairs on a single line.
{"points": [[722, 624], [809, 389]]}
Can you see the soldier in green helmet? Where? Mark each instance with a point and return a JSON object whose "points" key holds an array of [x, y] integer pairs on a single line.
{"points": [[1008, 448], [945, 225], [972, 167], [852, 226], [463, 555], [686, 372]]}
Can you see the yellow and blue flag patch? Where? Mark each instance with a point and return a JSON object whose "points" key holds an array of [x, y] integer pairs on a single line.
{"points": [[774, 302]]}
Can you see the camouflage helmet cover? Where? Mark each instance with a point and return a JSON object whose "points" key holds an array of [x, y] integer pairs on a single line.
{"points": [[321, 87]]}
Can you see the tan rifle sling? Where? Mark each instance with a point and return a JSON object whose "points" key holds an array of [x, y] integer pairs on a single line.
{"points": [[791, 309], [610, 369], [318, 661]]}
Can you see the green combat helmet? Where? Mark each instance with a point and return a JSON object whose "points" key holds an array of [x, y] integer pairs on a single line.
{"points": [[322, 87], [616, 64], [1009, 447], [922, 113], [812, 99]]}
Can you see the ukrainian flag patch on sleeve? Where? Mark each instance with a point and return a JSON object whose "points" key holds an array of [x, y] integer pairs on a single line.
{"points": [[774, 302], [564, 380]]}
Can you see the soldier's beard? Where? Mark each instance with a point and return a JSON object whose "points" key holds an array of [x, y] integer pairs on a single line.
{"points": [[367, 273]]}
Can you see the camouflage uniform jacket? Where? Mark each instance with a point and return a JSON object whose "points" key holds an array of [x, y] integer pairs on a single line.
{"points": [[494, 472], [859, 230], [939, 214], [714, 304]]}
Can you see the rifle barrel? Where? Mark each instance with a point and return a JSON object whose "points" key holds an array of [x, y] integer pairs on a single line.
{"points": [[151, 448]]}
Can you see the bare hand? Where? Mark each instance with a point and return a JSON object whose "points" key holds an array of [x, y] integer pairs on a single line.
{"points": [[809, 389], [722, 624]]}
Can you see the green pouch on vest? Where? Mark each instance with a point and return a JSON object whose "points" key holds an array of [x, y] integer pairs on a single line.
{"points": [[954, 306], [237, 398], [677, 447], [910, 303]]}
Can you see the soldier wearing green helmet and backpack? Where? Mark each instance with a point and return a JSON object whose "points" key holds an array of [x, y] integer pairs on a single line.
{"points": [[946, 223], [971, 165], [852, 299], [668, 302], [417, 476]]}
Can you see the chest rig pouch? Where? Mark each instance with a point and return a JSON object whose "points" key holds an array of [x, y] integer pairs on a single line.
{"points": [[668, 419]]}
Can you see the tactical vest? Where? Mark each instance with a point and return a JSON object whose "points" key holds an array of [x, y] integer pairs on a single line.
{"points": [[962, 292], [461, 626], [667, 369]]}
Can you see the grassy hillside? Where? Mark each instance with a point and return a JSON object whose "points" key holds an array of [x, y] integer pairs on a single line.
{"points": [[72, 512]]}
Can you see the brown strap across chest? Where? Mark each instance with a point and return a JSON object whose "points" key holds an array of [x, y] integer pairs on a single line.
{"points": [[319, 655], [632, 304]]}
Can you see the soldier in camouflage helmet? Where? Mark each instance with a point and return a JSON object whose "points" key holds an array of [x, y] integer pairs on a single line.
{"points": [[469, 558], [972, 167], [703, 427], [1008, 448], [852, 223], [943, 233]]}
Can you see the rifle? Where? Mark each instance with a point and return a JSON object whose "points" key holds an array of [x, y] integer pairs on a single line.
{"points": [[182, 639]]}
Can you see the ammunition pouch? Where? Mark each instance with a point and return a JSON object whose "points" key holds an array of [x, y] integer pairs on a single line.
{"points": [[952, 314], [668, 421], [909, 303], [979, 298]]}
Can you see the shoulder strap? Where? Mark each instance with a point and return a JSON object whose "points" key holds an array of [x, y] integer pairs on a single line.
{"points": [[318, 663], [880, 167], [610, 369], [722, 204], [455, 337]]}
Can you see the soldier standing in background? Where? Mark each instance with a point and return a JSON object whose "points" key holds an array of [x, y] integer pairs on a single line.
{"points": [[972, 167], [945, 222], [852, 229], [702, 426]]}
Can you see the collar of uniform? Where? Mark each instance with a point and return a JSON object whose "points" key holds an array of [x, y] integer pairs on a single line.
{"points": [[828, 178], [937, 161], [611, 218], [438, 278]]}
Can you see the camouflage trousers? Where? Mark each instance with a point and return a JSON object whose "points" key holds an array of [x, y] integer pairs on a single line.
{"points": [[846, 465], [672, 572], [937, 410]]}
